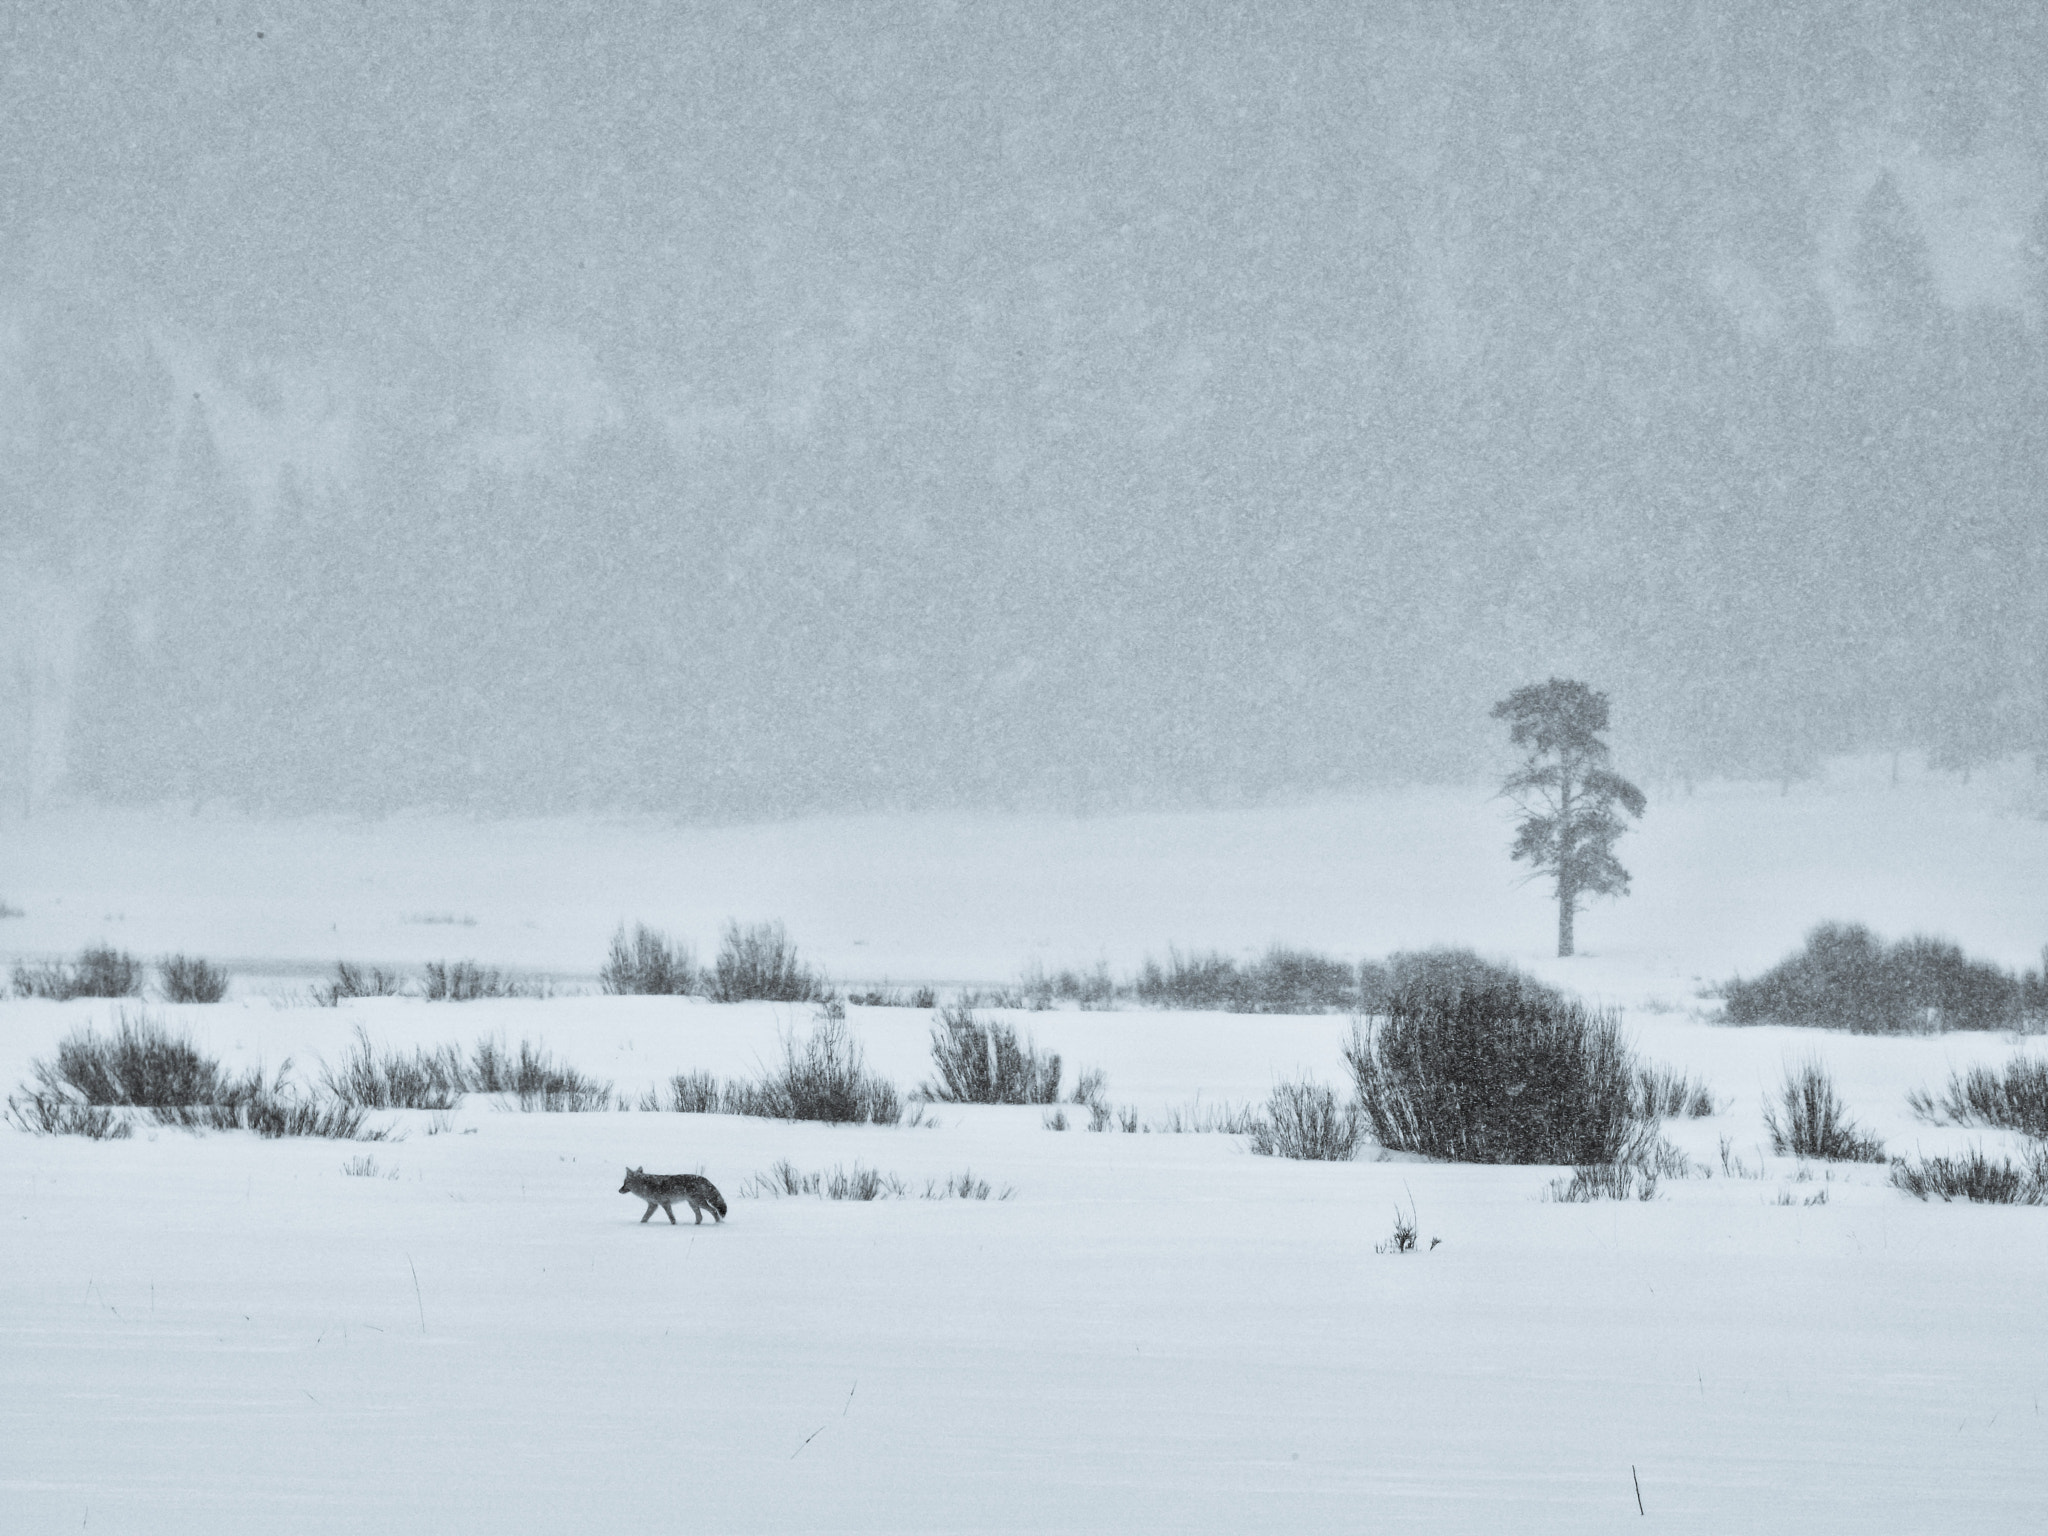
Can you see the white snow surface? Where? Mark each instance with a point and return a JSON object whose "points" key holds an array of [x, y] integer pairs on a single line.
{"points": [[1154, 1333]]}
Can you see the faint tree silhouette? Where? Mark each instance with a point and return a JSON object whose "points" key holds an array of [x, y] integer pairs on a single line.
{"points": [[1568, 796]]}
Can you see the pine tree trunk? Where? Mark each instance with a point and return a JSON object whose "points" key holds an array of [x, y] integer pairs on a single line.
{"points": [[1567, 899]]}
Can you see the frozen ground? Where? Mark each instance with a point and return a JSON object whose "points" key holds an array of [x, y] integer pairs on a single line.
{"points": [[1155, 1333]]}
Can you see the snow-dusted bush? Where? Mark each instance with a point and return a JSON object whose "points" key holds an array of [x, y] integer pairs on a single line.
{"points": [[1974, 1176], [986, 1063], [1668, 1094], [144, 1066], [1605, 1181], [2016, 1099], [422, 1080], [1282, 980], [188, 979], [44, 1113], [859, 1183], [824, 1078], [142, 1062], [1496, 1072], [100, 971], [358, 981], [1847, 977], [1305, 1120], [693, 1093], [1816, 1123], [759, 962], [1088, 989], [648, 964], [464, 981]]}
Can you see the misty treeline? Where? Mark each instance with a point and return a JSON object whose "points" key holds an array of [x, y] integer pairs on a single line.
{"points": [[735, 413]]}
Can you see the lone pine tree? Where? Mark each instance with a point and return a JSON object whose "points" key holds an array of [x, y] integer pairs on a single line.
{"points": [[1567, 794]]}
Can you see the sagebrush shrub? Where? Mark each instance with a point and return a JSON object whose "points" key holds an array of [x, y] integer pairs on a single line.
{"points": [[823, 1078], [352, 981], [1493, 1073], [1973, 1176], [188, 979], [1305, 1120], [100, 971], [1815, 1122], [2015, 1099], [464, 981], [142, 1063], [648, 964], [986, 1063], [759, 963], [694, 1093], [1668, 1094], [423, 1080], [144, 1066]]}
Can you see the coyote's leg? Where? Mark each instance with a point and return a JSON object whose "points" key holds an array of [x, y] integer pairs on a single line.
{"points": [[671, 1214], [697, 1211], [650, 1213]]}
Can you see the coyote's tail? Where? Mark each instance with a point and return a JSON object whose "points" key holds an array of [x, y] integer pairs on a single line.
{"points": [[717, 1202]]}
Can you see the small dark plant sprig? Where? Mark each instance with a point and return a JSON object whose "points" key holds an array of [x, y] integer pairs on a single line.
{"points": [[1815, 1123], [1406, 1236]]}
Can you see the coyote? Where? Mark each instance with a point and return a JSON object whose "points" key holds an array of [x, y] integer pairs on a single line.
{"points": [[660, 1188]]}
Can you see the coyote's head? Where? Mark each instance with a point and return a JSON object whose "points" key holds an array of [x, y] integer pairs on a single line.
{"points": [[633, 1176]]}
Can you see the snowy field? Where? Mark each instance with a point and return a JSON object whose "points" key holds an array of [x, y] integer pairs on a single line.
{"points": [[1155, 1332]]}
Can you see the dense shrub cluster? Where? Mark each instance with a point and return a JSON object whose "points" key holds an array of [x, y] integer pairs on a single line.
{"points": [[143, 1066], [1498, 1072], [986, 1063], [100, 971], [1848, 978]]}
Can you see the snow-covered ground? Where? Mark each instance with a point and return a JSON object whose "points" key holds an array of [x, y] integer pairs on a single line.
{"points": [[1156, 1332]]}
